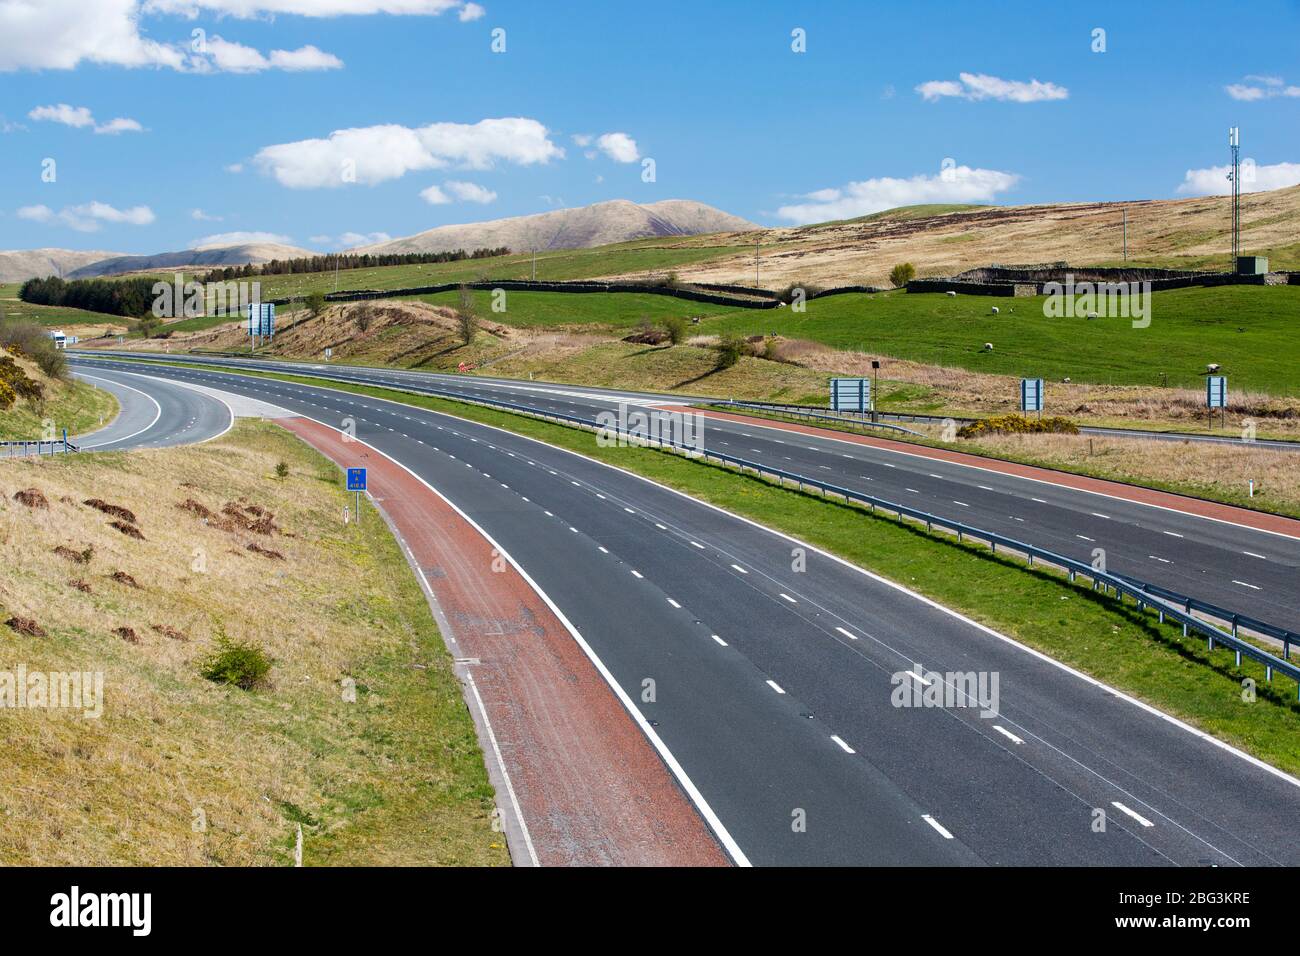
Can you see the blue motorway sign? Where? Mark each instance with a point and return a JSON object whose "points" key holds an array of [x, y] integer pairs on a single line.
{"points": [[356, 479], [1216, 391], [850, 394], [1031, 394]]}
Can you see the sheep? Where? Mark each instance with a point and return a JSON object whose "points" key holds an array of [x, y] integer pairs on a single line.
{"points": [[995, 310], [1212, 367], [1092, 315], [951, 293], [988, 346]]}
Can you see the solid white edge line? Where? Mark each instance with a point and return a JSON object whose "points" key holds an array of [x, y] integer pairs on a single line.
{"points": [[697, 798], [114, 441], [664, 753], [1041, 481], [1039, 655], [505, 774]]}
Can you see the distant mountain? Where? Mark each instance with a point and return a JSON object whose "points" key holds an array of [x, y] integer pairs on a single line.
{"points": [[249, 252], [19, 265], [601, 224]]}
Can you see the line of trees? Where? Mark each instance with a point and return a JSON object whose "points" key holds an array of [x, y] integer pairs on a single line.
{"points": [[365, 260], [127, 297]]}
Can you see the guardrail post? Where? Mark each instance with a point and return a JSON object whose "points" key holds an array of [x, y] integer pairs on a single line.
{"points": [[1238, 658]]}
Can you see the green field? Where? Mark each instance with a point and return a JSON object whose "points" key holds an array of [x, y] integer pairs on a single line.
{"points": [[53, 316], [1252, 332], [596, 310], [643, 255]]}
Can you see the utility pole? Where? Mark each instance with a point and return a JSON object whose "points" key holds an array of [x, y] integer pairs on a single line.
{"points": [[1234, 143]]}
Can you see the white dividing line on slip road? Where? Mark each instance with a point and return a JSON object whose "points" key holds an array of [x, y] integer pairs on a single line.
{"points": [[718, 639], [1253, 587], [843, 746], [1136, 816], [915, 676], [939, 827], [740, 569], [1254, 555], [775, 686], [1008, 734], [850, 635]]}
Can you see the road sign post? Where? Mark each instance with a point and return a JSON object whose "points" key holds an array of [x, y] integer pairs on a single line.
{"points": [[851, 395], [357, 483], [1216, 396], [1031, 395]]}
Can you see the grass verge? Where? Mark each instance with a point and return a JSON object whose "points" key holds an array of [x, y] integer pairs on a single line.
{"points": [[181, 770], [1094, 633]]}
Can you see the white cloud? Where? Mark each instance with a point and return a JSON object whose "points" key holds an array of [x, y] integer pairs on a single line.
{"points": [[246, 9], [471, 11], [202, 216], [350, 239], [582, 139], [226, 56], [375, 154], [619, 147], [63, 34], [88, 217], [80, 117], [234, 168], [74, 116], [434, 196], [1254, 88], [961, 184], [120, 125], [1255, 178], [470, 192], [238, 239], [981, 86]]}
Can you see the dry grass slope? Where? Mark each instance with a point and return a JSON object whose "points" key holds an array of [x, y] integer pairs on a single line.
{"points": [[181, 771]]}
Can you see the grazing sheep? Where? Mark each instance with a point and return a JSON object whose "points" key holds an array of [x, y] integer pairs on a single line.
{"points": [[988, 346], [1212, 367], [1092, 315], [951, 293], [995, 310]]}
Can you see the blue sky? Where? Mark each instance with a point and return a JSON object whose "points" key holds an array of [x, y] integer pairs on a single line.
{"points": [[1013, 94]]}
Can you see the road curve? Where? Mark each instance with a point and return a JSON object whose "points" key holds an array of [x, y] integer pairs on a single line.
{"points": [[773, 688], [155, 413], [1247, 570]]}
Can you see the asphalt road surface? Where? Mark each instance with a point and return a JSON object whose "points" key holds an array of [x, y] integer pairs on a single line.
{"points": [[155, 413], [775, 688], [1252, 572]]}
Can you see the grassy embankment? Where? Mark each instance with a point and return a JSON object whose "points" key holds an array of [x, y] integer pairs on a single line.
{"points": [[66, 403], [1096, 634], [183, 771]]}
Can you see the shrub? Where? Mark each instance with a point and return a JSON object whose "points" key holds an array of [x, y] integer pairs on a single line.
{"points": [[1018, 425], [7, 397], [467, 321], [676, 328], [364, 316], [281, 470], [787, 295], [730, 348], [30, 340], [902, 274], [315, 303], [238, 663]]}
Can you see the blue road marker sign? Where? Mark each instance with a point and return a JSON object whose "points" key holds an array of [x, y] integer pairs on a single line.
{"points": [[1216, 391], [850, 394], [356, 479], [1031, 394]]}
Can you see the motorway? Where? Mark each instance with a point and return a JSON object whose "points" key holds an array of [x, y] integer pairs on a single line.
{"points": [[772, 687], [1246, 570]]}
